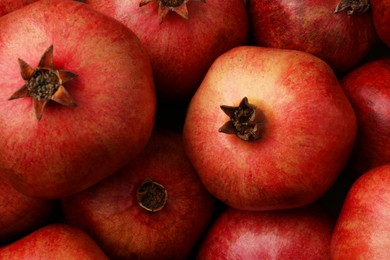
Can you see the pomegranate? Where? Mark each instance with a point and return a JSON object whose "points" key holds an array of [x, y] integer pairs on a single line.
{"points": [[289, 128], [54, 241], [363, 227], [367, 88], [154, 208], [339, 32], [181, 50], [381, 14], [302, 233], [98, 68]]}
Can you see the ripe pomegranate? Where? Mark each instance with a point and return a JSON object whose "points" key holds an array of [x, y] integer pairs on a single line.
{"points": [[302, 233], [290, 128], [57, 53], [54, 241], [381, 14], [363, 228], [154, 208], [181, 50], [340, 33], [367, 88], [21, 214]]}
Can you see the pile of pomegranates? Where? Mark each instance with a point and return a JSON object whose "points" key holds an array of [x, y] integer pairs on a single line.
{"points": [[193, 129]]}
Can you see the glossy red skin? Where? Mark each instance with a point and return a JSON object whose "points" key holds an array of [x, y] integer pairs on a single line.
{"points": [[380, 14], [312, 26], [21, 214], [54, 241], [363, 227], [7, 6], [71, 149], [303, 233], [367, 88], [309, 133], [182, 50], [110, 213]]}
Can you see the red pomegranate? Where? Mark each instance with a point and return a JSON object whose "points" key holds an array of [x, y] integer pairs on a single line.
{"points": [[289, 128], [181, 50], [97, 68], [367, 88], [154, 208], [339, 32], [381, 14]]}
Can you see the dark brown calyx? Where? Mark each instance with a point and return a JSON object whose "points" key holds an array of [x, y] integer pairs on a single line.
{"points": [[246, 121], [44, 83], [164, 6], [172, 3], [151, 195], [353, 6]]}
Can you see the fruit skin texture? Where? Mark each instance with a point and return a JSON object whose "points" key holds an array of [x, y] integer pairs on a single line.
{"points": [[110, 213], [363, 227], [21, 214], [367, 88], [182, 50], [54, 241], [7, 6], [71, 149], [302, 233], [309, 131], [312, 26], [380, 15]]}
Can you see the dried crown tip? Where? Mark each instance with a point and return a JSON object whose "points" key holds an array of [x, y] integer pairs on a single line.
{"points": [[44, 83], [353, 7], [164, 6], [246, 122]]}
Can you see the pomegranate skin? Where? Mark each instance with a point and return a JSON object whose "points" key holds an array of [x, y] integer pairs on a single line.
{"points": [[381, 14], [182, 50], [72, 148], [302, 233], [7, 6], [362, 229], [367, 88], [312, 26], [54, 241]]}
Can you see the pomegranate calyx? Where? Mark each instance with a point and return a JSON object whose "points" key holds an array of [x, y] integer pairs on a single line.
{"points": [[246, 121], [44, 83], [164, 6], [151, 195], [353, 6]]}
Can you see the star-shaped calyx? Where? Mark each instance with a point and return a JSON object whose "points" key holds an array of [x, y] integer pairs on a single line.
{"points": [[164, 6], [353, 6], [44, 83], [246, 121]]}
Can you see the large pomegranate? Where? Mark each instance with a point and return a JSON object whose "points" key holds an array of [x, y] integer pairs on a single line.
{"points": [[60, 52], [381, 14], [181, 50], [290, 128]]}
